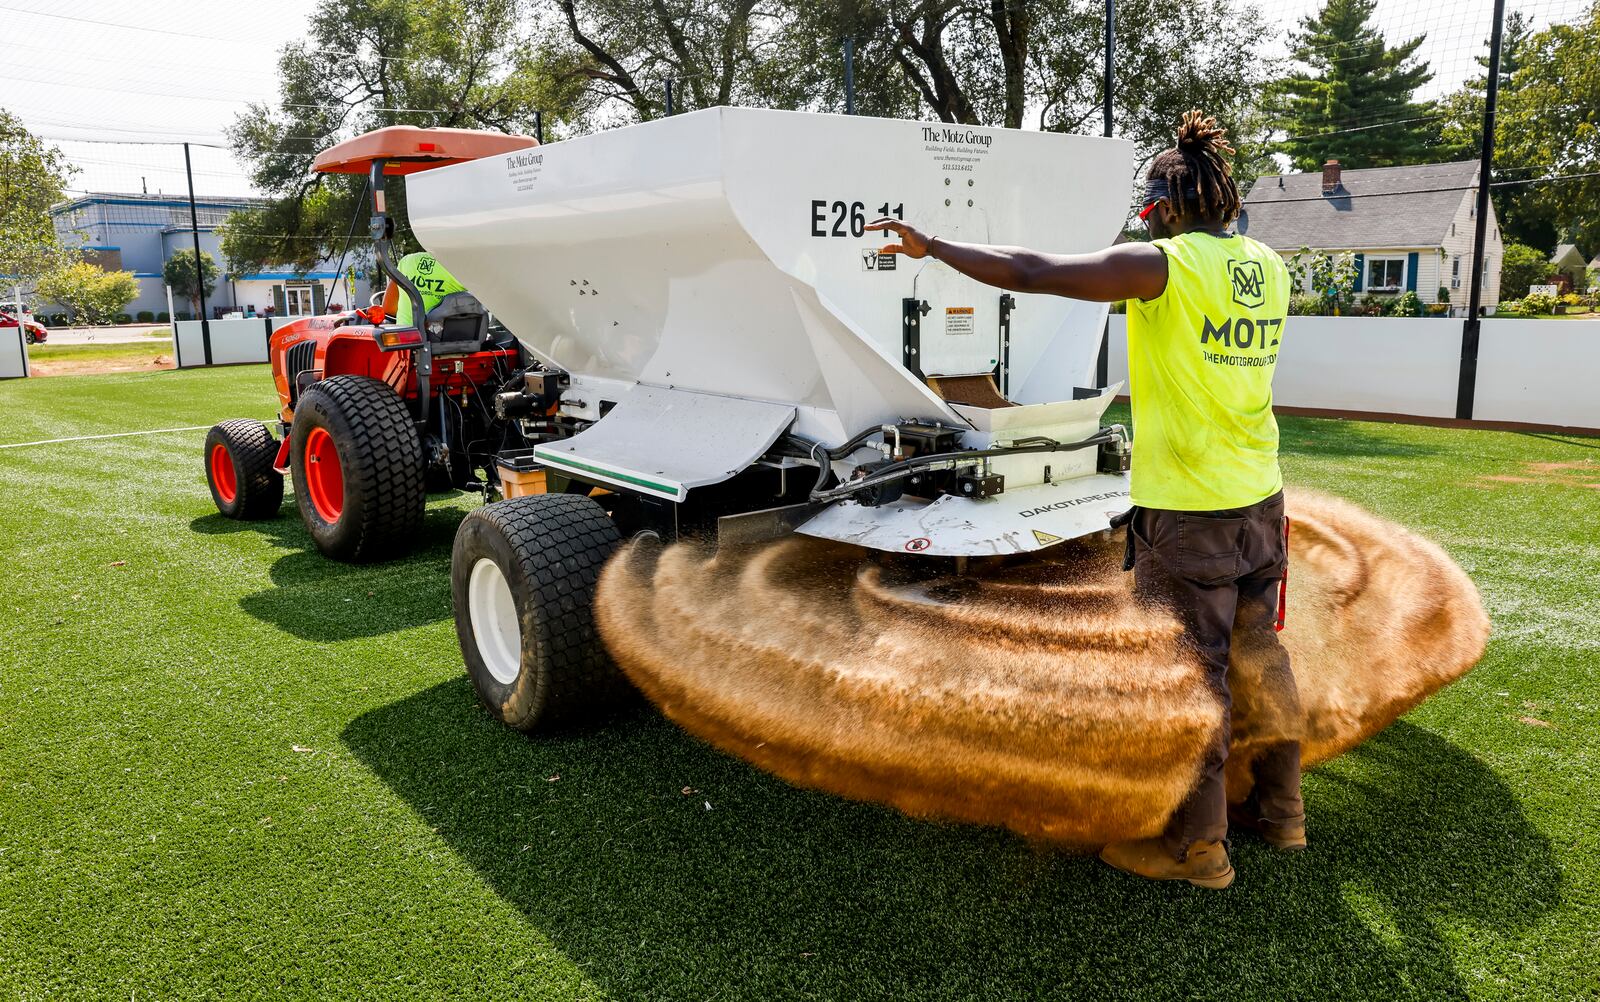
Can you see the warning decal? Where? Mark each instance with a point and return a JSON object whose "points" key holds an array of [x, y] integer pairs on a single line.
{"points": [[1045, 538], [958, 320]]}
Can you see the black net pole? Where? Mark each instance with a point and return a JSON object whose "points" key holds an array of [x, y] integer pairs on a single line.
{"points": [[538, 127], [1102, 363], [669, 97], [199, 272], [1471, 330], [850, 75]]}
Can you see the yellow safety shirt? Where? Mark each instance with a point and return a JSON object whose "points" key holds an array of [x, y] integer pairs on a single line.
{"points": [[1200, 363]]}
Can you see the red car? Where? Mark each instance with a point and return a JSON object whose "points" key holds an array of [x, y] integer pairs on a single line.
{"points": [[33, 332]]}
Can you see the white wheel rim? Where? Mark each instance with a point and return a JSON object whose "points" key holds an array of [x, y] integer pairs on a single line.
{"points": [[494, 621]]}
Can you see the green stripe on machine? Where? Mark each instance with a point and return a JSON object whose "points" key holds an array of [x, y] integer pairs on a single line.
{"points": [[676, 490]]}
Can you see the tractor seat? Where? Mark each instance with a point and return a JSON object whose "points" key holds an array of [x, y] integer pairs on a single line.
{"points": [[458, 325]]}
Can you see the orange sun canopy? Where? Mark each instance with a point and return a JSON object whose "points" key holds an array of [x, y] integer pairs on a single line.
{"points": [[408, 149]]}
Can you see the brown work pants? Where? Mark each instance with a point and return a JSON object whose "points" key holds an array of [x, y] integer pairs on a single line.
{"points": [[1219, 573]]}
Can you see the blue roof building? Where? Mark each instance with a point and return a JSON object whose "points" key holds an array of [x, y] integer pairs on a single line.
{"points": [[140, 232]]}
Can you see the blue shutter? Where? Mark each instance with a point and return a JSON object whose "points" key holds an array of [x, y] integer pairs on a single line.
{"points": [[1411, 272], [1361, 271]]}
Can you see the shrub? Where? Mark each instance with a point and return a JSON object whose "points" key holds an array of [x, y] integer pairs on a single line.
{"points": [[1307, 306], [1444, 295], [185, 315], [1407, 304], [58, 320], [1572, 299], [145, 317], [1438, 309], [162, 317], [1511, 308], [123, 318], [1537, 303]]}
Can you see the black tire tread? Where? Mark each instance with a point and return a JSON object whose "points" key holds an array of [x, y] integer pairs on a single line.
{"points": [[561, 543], [253, 450], [384, 461]]}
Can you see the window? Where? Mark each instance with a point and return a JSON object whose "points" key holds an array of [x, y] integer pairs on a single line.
{"points": [[1455, 272], [297, 301], [1386, 274]]}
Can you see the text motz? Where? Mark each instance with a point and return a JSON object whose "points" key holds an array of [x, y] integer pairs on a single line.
{"points": [[943, 134], [1243, 332]]}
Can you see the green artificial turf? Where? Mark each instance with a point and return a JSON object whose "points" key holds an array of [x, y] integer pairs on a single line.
{"points": [[229, 768]]}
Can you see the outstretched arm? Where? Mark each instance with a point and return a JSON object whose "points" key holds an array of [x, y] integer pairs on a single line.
{"points": [[1126, 271]]}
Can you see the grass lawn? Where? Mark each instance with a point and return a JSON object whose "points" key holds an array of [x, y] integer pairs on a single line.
{"points": [[230, 768]]}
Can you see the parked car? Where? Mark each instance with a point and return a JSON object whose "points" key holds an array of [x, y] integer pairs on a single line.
{"points": [[33, 332]]}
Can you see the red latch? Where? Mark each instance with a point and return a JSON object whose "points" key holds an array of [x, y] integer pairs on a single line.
{"points": [[1283, 583]]}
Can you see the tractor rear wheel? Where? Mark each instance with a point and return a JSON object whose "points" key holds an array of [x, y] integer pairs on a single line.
{"points": [[357, 465], [522, 580], [239, 457]]}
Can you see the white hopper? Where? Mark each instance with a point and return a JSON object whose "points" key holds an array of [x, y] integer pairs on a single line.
{"points": [[720, 254]]}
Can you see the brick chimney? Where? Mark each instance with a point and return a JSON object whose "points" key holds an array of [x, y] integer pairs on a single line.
{"points": [[1330, 177]]}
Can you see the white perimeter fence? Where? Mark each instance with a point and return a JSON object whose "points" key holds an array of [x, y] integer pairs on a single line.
{"points": [[1544, 372], [233, 342], [1529, 371]]}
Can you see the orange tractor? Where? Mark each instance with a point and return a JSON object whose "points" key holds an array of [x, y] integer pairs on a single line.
{"points": [[373, 414]]}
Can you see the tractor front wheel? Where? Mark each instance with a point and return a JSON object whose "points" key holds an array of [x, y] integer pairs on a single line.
{"points": [[522, 579], [357, 465], [239, 471]]}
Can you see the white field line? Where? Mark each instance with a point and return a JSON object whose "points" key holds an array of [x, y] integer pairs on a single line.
{"points": [[91, 438]]}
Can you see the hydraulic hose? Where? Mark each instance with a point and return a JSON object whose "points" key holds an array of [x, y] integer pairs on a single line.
{"points": [[948, 460]]}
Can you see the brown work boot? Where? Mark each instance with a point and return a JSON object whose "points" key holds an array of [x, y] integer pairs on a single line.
{"points": [[1289, 833], [1206, 864]]}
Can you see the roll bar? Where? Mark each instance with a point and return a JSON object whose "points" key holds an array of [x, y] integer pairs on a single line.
{"points": [[381, 249]]}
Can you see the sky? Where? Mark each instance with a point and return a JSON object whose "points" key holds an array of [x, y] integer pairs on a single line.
{"points": [[118, 85]]}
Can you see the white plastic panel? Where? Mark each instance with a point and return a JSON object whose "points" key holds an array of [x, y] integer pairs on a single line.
{"points": [[666, 442], [232, 342]]}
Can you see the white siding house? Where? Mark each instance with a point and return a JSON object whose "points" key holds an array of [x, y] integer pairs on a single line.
{"points": [[1409, 228]]}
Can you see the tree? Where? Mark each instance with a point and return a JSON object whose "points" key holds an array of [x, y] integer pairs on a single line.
{"points": [[1521, 267], [1547, 135], [370, 64], [1461, 130], [179, 274], [1354, 101], [88, 293], [33, 177]]}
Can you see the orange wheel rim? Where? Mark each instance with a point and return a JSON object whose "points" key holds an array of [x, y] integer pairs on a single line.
{"points": [[324, 475], [222, 477]]}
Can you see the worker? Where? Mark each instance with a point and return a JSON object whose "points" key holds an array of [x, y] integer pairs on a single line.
{"points": [[431, 279], [1206, 533]]}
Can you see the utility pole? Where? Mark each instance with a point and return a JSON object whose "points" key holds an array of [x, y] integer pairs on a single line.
{"points": [[538, 127], [1467, 388], [1102, 364], [669, 97], [199, 273], [850, 75]]}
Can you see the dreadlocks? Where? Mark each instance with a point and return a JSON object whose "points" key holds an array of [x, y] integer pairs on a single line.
{"points": [[1198, 179]]}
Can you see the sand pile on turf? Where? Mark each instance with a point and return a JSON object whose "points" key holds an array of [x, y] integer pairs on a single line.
{"points": [[1038, 695]]}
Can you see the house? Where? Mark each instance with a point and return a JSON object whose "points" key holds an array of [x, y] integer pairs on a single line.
{"points": [[1409, 228], [1568, 267], [140, 232]]}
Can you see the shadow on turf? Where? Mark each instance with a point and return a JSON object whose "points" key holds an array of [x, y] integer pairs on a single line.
{"points": [[326, 601], [776, 892], [1337, 438]]}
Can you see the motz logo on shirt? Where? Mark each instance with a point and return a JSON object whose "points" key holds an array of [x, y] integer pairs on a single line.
{"points": [[425, 265], [1249, 283]]}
